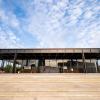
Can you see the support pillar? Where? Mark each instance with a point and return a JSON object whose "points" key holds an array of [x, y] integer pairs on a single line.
{"points": [[14, 63], [77, 65], [84, 64], [97, 65]]}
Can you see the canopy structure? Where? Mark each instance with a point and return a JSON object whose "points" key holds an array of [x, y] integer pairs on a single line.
{"points": [[51, 53], [42, 54]]}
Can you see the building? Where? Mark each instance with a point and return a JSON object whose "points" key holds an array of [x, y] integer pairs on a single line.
{"points": [[57, 60]]}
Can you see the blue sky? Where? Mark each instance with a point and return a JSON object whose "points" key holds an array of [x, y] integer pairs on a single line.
{"points": [[49, 23]]}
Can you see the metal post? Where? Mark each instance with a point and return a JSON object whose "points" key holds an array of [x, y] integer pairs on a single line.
{"points": [[84, 64], [14, 63], [38, 66], [97, 66], [61, 66], [77, 65], [61, 69], [56, 61]]}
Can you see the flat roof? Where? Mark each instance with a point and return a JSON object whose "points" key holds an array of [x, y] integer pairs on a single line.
{"points": [[50, 53]]}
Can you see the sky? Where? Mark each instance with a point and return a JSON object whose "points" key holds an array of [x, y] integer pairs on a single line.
{"points": [[49, 23]]}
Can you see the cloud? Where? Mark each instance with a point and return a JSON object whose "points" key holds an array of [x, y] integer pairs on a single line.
{"points": [[53, 23], [67, 24], [8, 38]]}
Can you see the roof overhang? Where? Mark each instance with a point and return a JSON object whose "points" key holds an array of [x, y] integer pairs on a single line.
{"points": [[50, 53]]}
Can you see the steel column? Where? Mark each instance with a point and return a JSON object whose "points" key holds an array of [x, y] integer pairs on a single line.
{"points": [[14, 63], [84, 64], [97, 66]]}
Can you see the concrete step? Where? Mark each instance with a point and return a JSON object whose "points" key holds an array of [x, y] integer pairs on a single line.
{"points": [[50, 86]]}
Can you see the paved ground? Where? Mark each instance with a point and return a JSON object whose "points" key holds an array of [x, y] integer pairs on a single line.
{"points": [[50, 86]]}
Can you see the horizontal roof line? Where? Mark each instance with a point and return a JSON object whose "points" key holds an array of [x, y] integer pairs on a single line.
{"points": [[42, 48]]}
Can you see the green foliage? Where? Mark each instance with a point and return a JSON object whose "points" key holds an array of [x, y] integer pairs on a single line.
{"points": [[8, 68], [18, 69]]}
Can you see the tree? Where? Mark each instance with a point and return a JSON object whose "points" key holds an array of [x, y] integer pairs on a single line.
{"points": [[8, 68]]}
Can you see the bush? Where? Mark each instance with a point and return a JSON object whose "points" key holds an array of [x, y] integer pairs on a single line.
{"points": [[8, 68], [18, 69]]}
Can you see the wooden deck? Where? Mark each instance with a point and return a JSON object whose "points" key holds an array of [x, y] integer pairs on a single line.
{"points": [[50, 86]]}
